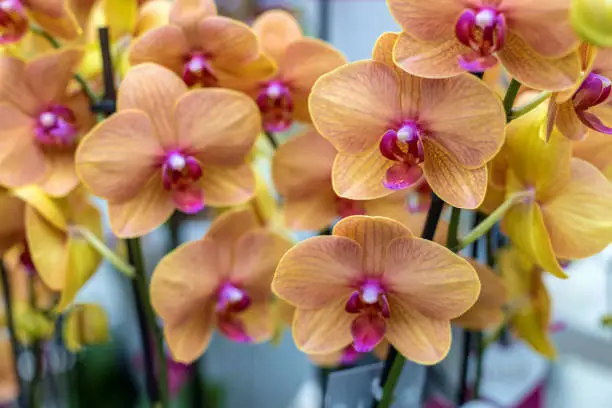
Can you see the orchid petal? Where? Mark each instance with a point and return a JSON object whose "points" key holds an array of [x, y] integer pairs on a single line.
{"points": [[324, 330]]}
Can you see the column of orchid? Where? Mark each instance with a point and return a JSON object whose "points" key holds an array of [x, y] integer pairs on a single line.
{"points": [[365, 146]]}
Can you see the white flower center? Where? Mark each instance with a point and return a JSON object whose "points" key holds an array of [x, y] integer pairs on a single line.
{"points": [[369, 294], [485, 18], [234, 295], [406, 133], [274, 90], [196, 65], [47, 119], [176, 162]]}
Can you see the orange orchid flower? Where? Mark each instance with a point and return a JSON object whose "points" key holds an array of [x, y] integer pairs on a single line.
{"points": [[372, 279], [566, 213], [169, 148], [58, 252], [584, 108], [529, 300], [391, 128], [597, 150], [54, 16], [9, 388], [12, 229], [301, 170], [203, 48], [283, 98], [223, 281], [533, 39], [41, 121]]}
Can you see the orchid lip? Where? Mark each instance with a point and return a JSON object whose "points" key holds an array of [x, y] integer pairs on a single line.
{"points": [[13, 21], [484, 32], [197, 70], [56, 127], [276, 105]]}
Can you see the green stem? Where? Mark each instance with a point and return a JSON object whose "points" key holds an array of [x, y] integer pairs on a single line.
{"points": [[510, 97], [7, 294], [488, 222], [35, 389], [452, 239], [271, 139], [107, 253], [55, 44], [394, 374], [148, 325], [529, 106], [480, 348]]}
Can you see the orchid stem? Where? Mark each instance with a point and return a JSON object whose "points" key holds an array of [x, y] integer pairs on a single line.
{"points": [[395, 361], [55, 44], [10, 321], [157, 390], [35, 389], [529, 106], [510, 97], [452, 239], [107, 253], [488, 222]]}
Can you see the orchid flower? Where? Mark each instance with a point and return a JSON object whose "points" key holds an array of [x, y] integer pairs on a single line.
{"points": [[532, 39], [391, 129], [167, 148], [371, 280]]}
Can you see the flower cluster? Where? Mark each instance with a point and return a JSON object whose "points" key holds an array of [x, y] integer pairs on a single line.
{"points": [[276, 132]]}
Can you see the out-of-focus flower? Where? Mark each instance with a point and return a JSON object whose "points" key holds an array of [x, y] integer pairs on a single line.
{"points": [[9, 387], [23, 277], [532, 39], [203, 48], [85, 325], [487, 312], [63, 258], [568, 213], [591, 20], [391, 128], [597, 150], [12, 229], [53, 16], [302, 175], [283, 98], [31, 324], [223, 281], [168, 148], [529, 300], [41, 122], [584, 107], [126, 21], [372, 280]]}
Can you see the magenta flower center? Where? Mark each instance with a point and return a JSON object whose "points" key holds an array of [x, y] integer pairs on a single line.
{"points": [[347, 207], [276, 105], [56, 127], [369, 302], [349, 355], [13, 21], [484, 31], [231, 301], [179, 172], [405, 147], [593, 91], [197, 70]]}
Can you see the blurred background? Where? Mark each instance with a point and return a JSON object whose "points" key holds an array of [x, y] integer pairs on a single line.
{"points": [[278, 376]]}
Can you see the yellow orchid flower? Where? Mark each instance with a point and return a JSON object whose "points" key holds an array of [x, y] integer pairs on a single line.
{"points": [[567, 214], [63, 258], [529, 300], [85, 324]]}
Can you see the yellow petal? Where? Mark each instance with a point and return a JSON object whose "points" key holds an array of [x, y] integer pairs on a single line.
{"points": [[85, 324], [373, 234], [225, 186], [579, 217], [321, 331], [429, 278], [524, 224], [457, 185], [317, 272], [43, 204], [121, 16], [360, 177]]}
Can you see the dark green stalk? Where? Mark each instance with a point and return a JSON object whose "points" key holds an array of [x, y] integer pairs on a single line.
{"points": [[510, 97], [271, 139], [394, 363], [35, 390], [452, 239]]}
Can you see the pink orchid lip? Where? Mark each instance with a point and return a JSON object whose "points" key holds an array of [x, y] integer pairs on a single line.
{"points": [[368, 330], [180, 175], [56, 127], [232, 328], [593, 91], [405, 147], [349, 355], [484, 31], [369, 302], [197, 70], [276, 105], [13, 21]]}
